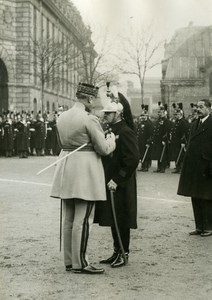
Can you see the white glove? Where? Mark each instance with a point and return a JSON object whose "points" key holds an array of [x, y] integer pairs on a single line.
{"points": [[112, 185], [110, 135]]}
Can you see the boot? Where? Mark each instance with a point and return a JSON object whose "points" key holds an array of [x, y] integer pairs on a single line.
{"points": [[119, 262], [111, 259]]}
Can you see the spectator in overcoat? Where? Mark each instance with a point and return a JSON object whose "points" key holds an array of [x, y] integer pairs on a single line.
{"points": [[196, 175]]}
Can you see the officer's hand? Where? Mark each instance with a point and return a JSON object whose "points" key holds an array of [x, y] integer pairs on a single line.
{"points": [[112, 185], [163, 143], [183, 145]]}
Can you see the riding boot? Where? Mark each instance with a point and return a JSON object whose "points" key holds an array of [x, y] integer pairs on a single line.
{"points": [[119, 262]]}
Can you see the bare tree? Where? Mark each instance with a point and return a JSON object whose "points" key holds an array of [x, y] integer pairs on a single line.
{"points": [[139, 50], [50, 60], [98, 66]]}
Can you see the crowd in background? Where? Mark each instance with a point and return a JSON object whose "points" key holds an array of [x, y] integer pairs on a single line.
{"points": [[22, 134], [163, 139]]}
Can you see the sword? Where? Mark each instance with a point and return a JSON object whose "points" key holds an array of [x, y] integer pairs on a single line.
{"points": [[61, 209], [147, 148], [179, 155], [162, 154], [60, 159], [116, 226]]}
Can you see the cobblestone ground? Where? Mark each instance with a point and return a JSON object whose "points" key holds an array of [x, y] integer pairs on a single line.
{"points": [[165, 263]]}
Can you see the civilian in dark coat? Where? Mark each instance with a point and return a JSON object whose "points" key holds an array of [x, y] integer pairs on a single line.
{"points": [[196, 175], [120, 175]]}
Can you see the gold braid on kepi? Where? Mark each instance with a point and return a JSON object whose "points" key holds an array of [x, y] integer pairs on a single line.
{"points": [[87, 89]]}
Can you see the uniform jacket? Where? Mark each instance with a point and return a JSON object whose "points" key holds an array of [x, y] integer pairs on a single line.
{"points": [[144, 133], [22, 136], [196, 174], [179, 135], [121, 166], [40, 134], [8, 136], [161, 133], [81, 175]]}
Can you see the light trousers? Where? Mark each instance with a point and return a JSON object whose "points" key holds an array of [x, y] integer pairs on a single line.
{"points": [[77, 221]]}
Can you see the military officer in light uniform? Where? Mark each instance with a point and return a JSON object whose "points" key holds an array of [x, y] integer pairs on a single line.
{"points": [[79, 179]]}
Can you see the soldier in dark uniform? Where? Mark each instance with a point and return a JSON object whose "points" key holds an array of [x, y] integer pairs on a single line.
{"points": [[55, 144], [179, 138], [8, 136], [22, 136], [31, 126], [120, 174], [40, 135], [144, 134], [161, 139], [48, 140]]}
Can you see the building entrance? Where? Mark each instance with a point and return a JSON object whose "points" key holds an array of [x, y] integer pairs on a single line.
{"points": [[3, 87]]}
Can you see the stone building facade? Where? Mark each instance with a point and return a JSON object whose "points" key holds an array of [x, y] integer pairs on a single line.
{"points": [[25, 20], [187, 67]]}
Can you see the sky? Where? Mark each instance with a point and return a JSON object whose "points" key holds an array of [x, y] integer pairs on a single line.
{"points": [[167, 16]]}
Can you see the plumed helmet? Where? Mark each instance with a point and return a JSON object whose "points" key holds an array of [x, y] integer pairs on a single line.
{"points": [[127, 114]]}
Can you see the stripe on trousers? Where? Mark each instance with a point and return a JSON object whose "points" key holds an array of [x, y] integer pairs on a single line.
{"points": [[85, 235]]}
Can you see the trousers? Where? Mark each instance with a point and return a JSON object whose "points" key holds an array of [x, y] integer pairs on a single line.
{"points": [[125, 238], [77, 221]]}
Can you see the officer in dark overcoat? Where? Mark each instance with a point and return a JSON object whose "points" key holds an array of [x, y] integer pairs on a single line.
{"points": [[120, 175], [144, 134], [196, 175], [179, 138], [8, 136], [161, 139], [48, 130], [55, 143], [40, 135], [22, 137]]}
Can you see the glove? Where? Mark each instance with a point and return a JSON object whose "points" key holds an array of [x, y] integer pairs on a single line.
{"points": [[163, 143], [110, 135], [112, 185]]}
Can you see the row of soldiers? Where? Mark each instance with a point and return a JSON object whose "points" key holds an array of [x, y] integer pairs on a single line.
{"points": [[22, 135], [164, 139]]}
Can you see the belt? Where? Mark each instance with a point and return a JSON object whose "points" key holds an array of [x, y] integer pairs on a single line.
{"points": [[72, 148]]}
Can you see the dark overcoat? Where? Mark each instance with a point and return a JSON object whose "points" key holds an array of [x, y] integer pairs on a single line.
{"points": [[161, 133], [144, 133], [40, 134], [179, 135], [121, 166], [196, 175], [8, 136], [22, 136]]}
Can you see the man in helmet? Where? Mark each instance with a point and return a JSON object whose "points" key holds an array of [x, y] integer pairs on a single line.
{"points": [[120, 179]]}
